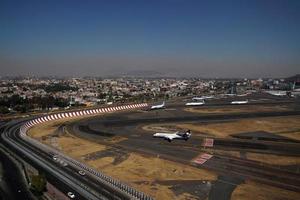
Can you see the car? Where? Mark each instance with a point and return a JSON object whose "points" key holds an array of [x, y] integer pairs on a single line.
{"points": [[55, 157], [64, 164], [71, 195], [82, 173]]}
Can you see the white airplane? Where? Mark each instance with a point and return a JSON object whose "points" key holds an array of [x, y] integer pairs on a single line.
{"points": [[230, 95], [195, 103], [177, 135], [202, 98], [276, 92], [294, 88], [239, 102], [158, 106], [243, 95]]}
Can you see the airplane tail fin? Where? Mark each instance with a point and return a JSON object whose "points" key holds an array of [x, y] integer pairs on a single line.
{"points": [[187, 134], [294, 85]]}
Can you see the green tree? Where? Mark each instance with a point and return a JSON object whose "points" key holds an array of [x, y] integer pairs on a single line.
{"points": [[38, 184], [4, 110]]}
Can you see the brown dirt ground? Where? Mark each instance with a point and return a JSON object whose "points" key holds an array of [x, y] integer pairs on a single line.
{"points": [[147, 170], [258, 191], [47, 128], [77, 147]]}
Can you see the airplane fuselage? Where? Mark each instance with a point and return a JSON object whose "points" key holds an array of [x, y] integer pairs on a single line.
{"points": [[172, 136], [161, 106], [194, 104], [239, 102]]}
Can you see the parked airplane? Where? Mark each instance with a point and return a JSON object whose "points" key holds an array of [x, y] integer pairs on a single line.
{"points": [[239, 102], [202, 98], [177, 135], [230, 95], [277, 92], [195, 103], [158, 106]]}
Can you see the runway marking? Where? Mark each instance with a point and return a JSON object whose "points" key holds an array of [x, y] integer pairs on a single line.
{"points": [[200, 161], [206, 156], [208, 142], [202, 158]]}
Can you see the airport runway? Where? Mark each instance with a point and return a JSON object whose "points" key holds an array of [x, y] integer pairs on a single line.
{"points": [[129, 125]]}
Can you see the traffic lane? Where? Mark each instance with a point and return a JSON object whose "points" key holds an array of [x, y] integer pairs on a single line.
{"points": [[89, 182], [50, 175]]}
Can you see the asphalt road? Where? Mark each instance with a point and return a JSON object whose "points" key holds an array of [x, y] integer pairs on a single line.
{"points": [[65, 178]]}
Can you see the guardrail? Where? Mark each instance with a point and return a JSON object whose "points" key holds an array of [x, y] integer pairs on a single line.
{"points": [[104, 179]]}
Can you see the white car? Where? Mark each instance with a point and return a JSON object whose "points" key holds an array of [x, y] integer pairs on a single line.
{"points": [[82, 173], [71, 195], [55, 157]]}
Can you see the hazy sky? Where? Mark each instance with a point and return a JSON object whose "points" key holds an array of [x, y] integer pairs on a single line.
{"points": [[210, 38]]}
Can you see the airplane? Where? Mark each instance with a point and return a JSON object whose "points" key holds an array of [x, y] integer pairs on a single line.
{"points": [[202, 98], [158, 106], [177, 135], [277, 92], [230, 95], [239, 102], [195, 103]]}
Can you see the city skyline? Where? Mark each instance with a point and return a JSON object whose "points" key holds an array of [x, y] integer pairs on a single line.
{"points": [[164, 38]]}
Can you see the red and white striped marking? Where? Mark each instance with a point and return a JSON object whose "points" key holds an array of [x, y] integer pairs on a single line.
{"points": [[51, 117], [208, 142], [202, 158], [199, 161], [206, 156]]}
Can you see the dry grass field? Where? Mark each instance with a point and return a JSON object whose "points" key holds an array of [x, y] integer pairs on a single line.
{"points": [[284, 126], [258, 191], [145, 173], [274, 159], [237, 109], [142, 172]]}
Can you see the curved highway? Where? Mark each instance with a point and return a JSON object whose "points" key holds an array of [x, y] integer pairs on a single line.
{"points": [[64, 174]]}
